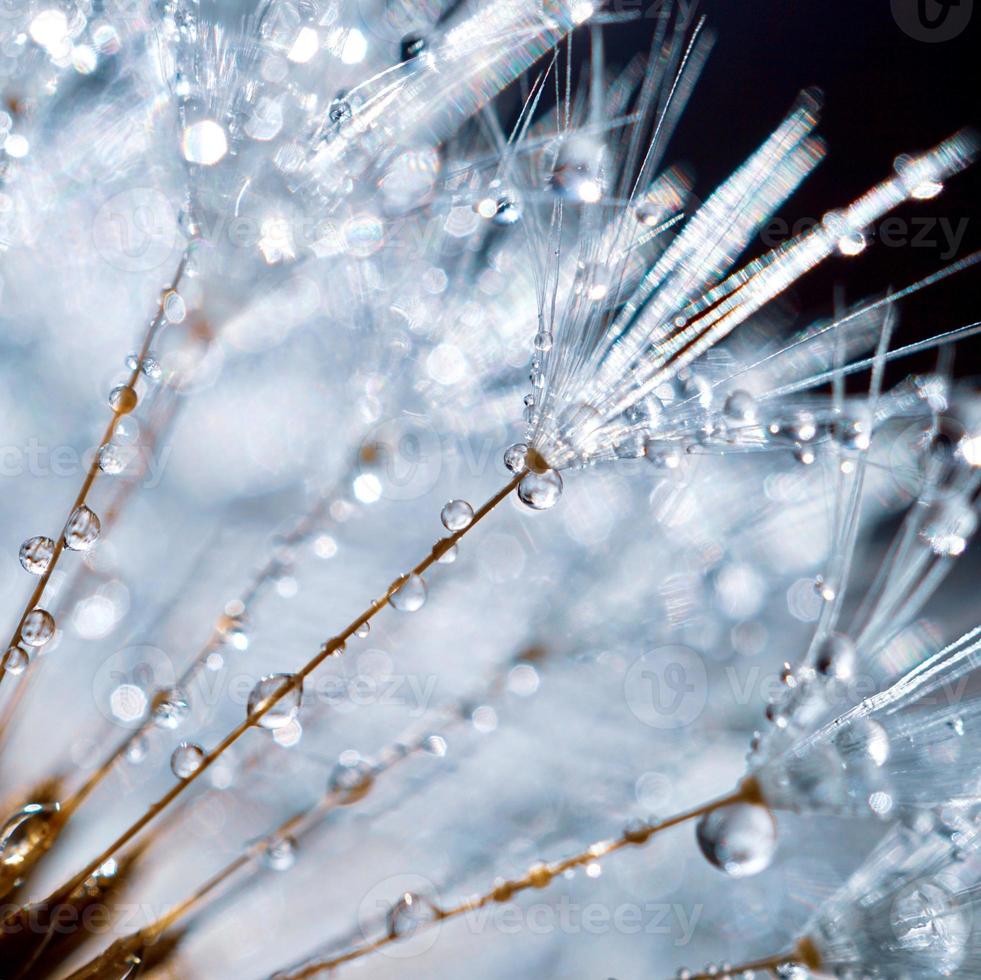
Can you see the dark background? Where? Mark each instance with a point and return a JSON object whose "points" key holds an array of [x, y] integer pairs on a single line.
{"points": [[885, 93]]}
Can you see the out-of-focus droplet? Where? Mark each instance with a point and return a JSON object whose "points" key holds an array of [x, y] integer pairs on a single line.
{"points": [[740, 839], [352, 778], [514, 457], [662, 455], [456, 515], [35, 554], [740, 406], [410, 596], [170, 707], [174, 307], [283, 710], [136, 751], [38, 628], [540, 491], [82, 530], [411, 912], [949, 526], [15, 660], [280, 854], [836, 657], [186, 760], [204, 142], [411, 46]]}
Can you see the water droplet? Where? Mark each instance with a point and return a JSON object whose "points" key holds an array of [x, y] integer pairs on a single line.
{"points": [[435, 745], [122, 399], [113, 459], [352, 777], [280, 854], [949, 526], [852, 243], [543, 340], [865, 740], [662, 455], [540, 491], [836, 657], [82, 530], [411, 912], [449, 555], [174, 307], [412, 46], [740, 839], [136, 751], [15, 660], [283, 710], [410, 596], [456, 515], [204, 142], [740, 406], [234, 630], [507, 211], [514, 457], [339, 111], [25, 836], [186, 760], [932, 925], [171, 707], [38, 628], [35, 554], [363, 630]]}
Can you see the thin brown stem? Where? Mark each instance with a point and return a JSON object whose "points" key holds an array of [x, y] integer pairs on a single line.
{"points": [[303, 527], [93, 471], [332, 647], [538, 876]]}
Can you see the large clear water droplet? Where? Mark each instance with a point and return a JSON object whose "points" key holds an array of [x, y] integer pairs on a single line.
{"points": [[410, 596], [24, 836], [35, 554], [38, 628], [186, 760], [284, 710], [456, 515], [82, 530], [540, 491], [740, 839]]}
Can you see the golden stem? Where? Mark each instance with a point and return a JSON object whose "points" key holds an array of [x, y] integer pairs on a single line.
{"points": [[265, 573], [537, 876], [333, 646], [93, 469]]}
